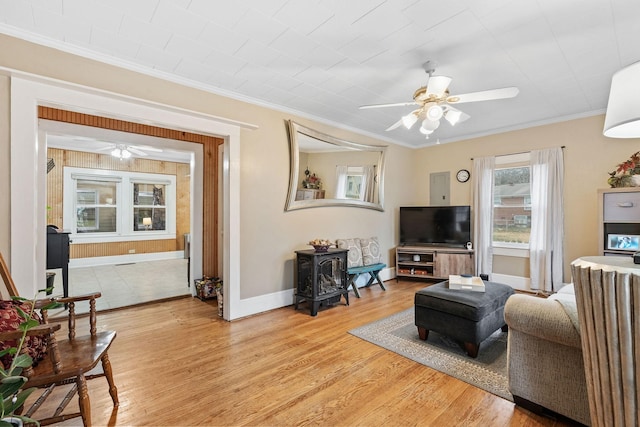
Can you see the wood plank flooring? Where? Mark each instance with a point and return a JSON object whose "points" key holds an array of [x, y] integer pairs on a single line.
{"points": [[177, 363]]}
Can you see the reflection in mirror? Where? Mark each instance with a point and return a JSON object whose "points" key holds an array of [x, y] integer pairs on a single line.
{"points": [[327, 171]]}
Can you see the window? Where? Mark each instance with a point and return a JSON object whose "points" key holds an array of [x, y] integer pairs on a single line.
{"points": [[354, 183], [95, 212], [512, 206], [149, 209], [101, 206]]}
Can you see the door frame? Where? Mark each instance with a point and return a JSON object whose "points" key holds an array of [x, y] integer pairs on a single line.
{"points": [[28, 172]]}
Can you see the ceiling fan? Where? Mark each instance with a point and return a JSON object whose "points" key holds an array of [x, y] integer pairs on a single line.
{"points": [[125, 151], [435, 102]]}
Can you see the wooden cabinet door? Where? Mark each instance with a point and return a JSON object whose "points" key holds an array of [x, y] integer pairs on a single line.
{"points": [[452, 263]]}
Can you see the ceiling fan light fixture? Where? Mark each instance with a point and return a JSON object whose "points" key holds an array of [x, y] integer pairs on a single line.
{"points": [[116, 152], [434, 113], [429, 126], [409, 120], [126, 154], [452, 116]]}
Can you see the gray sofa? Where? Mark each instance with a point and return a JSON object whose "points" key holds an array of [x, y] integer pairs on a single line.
{"points": [[546, 369]]}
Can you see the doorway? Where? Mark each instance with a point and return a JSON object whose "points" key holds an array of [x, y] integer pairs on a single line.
{"points": [[120, 262], [28, 176]]}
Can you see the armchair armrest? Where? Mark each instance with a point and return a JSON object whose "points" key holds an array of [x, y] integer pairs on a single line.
{"points": [[40, 330], [77, 298], [542, 318], [70, 303]]}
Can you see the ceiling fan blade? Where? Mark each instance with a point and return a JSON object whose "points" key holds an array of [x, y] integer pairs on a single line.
{"points": [[136, 151], [486, 95], [399, 104], [146, 148], [394, 126], [437, 85], [108, 147]]}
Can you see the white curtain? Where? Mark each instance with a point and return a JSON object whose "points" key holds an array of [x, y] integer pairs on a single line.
{"points": [[341, 181], [546, 251], [368, 183], [483, 213]]}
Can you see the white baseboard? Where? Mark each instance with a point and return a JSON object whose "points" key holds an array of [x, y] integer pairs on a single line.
{"points": [[262, 303], [255, 305], [124, 259], [516, 282]]}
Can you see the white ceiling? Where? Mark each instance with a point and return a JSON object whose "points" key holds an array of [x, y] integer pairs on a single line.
{"points": [[324, 58]]}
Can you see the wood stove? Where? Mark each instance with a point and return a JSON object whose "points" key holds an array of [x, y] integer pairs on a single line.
{"points": [[321, 278]]}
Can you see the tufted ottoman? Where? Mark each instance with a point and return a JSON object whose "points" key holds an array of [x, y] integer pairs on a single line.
{"points": [[466, 316]]}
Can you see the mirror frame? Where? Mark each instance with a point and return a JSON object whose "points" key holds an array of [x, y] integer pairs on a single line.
{"points": [[293, 129]]}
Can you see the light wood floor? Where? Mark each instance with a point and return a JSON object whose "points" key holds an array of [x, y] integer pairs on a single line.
{"points": [[177, 363]]}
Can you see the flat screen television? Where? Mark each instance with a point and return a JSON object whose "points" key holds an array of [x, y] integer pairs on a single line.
{"points": [[435, 225]]}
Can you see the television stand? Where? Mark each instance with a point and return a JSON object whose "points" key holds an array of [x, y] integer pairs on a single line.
{"points": [[433, 262]]}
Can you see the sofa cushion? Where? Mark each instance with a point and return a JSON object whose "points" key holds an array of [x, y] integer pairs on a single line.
{"points": [[370, 251], [354, 257]]}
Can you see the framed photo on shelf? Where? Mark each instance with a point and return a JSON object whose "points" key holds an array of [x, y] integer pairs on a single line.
{"points": [[627, 242]]}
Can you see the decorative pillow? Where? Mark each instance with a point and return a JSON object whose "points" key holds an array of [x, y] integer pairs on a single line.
{"points": [[370, 251], [354, 257], [10, 320]]}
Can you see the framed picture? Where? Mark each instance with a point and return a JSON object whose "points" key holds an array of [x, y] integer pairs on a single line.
{"points": [[629, 242]]}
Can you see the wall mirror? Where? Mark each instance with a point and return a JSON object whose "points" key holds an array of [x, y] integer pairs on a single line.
{"points": [[327, 171]]}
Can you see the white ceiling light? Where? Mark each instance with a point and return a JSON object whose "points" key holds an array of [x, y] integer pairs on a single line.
{"points": [[428, 126], [453, 116], [623, 111], [409, 120], [434, 113], [121, 152]]}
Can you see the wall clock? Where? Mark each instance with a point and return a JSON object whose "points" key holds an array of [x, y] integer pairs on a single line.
{"points": [[463, 175]]}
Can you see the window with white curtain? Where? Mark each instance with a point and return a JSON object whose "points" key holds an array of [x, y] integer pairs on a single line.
{"points": [[101, 205], [512, 201], [533, 224], [512, 205], [350, 181]]}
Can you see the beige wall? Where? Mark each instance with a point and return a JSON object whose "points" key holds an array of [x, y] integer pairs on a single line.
{"points": [[269, 236], [588, 156]]}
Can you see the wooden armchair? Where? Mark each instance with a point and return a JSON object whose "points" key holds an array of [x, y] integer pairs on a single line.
{"points": [[68, 360]]}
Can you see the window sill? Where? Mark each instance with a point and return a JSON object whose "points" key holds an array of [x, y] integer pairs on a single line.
{"points": [[512, 251]]}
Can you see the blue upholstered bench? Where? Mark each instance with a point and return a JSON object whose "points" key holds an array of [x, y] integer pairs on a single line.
{"points": [[363, 258]]}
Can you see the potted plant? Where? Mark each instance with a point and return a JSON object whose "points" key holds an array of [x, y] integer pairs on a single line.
{"points": [[627, 173], [12, 394]]}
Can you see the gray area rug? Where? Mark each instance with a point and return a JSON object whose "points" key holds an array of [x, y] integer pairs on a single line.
{"points": [[399, 334]]}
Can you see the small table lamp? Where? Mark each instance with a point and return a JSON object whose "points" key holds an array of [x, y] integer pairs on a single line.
{"points": [[147, 223]]}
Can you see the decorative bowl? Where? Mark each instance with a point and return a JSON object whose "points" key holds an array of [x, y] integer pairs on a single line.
{"points": [[321, 248]]}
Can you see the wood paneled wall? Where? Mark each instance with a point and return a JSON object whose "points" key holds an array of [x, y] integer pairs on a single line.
{"points": [[80, 159], [89, 250], [94, 160]]}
